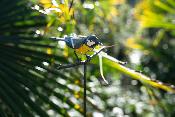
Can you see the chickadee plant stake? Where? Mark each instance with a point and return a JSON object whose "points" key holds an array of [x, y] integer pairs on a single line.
{"points": [[83, 45]]}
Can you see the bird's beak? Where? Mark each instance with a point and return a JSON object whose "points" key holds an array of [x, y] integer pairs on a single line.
{"points": [[100, 44]]}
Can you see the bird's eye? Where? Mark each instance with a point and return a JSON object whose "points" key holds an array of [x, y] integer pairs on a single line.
{"points": [[90, 42]]}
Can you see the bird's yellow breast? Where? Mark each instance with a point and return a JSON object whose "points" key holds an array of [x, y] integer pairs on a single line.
{"points": [[83, 49]]}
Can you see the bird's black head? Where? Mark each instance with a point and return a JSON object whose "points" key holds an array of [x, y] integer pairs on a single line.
{"points": [[92, 41]]}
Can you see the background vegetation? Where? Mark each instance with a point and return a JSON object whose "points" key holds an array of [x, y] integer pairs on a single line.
{"points": [[31, 83]]}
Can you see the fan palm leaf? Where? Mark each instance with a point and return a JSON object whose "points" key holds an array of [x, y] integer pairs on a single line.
{"points": [[28, 76]]}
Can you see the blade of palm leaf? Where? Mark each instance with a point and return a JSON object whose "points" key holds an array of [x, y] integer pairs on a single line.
{"points": [[65, 100], [48, 69], [27, 38], [32, 59], [18, 24], [20, 61], [16, 5], [23, 94], [24, 26], [9, 102], [52, 70], [41, 54], [14, 12], [49, 80], [60, 96], [76, 75], [20, 41], [12, 16], [95, 106], [30, 44], [6, 7], [32, 64], [33, 53], [30, 85], [23, 22], [68, 101], [81, 93], [23, 18], [16, 32], [19, 102], [46, 88]]}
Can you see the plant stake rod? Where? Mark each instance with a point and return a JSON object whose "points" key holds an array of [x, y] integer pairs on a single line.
{"points": [[84, 84]]}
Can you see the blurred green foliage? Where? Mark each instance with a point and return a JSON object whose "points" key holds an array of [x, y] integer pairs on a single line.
{"points": [[31, 84]]}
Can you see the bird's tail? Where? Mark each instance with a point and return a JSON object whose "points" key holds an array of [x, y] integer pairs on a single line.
{"points": [[57, 39]]}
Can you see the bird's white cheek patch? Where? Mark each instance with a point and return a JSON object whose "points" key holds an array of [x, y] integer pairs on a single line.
{"points": [[90, 43]]}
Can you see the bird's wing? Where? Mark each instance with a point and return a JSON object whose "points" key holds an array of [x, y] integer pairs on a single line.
{"points": [[75, 42]]}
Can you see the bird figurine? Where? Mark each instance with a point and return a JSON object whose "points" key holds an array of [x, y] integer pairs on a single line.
{"points": [[81, 44]]}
